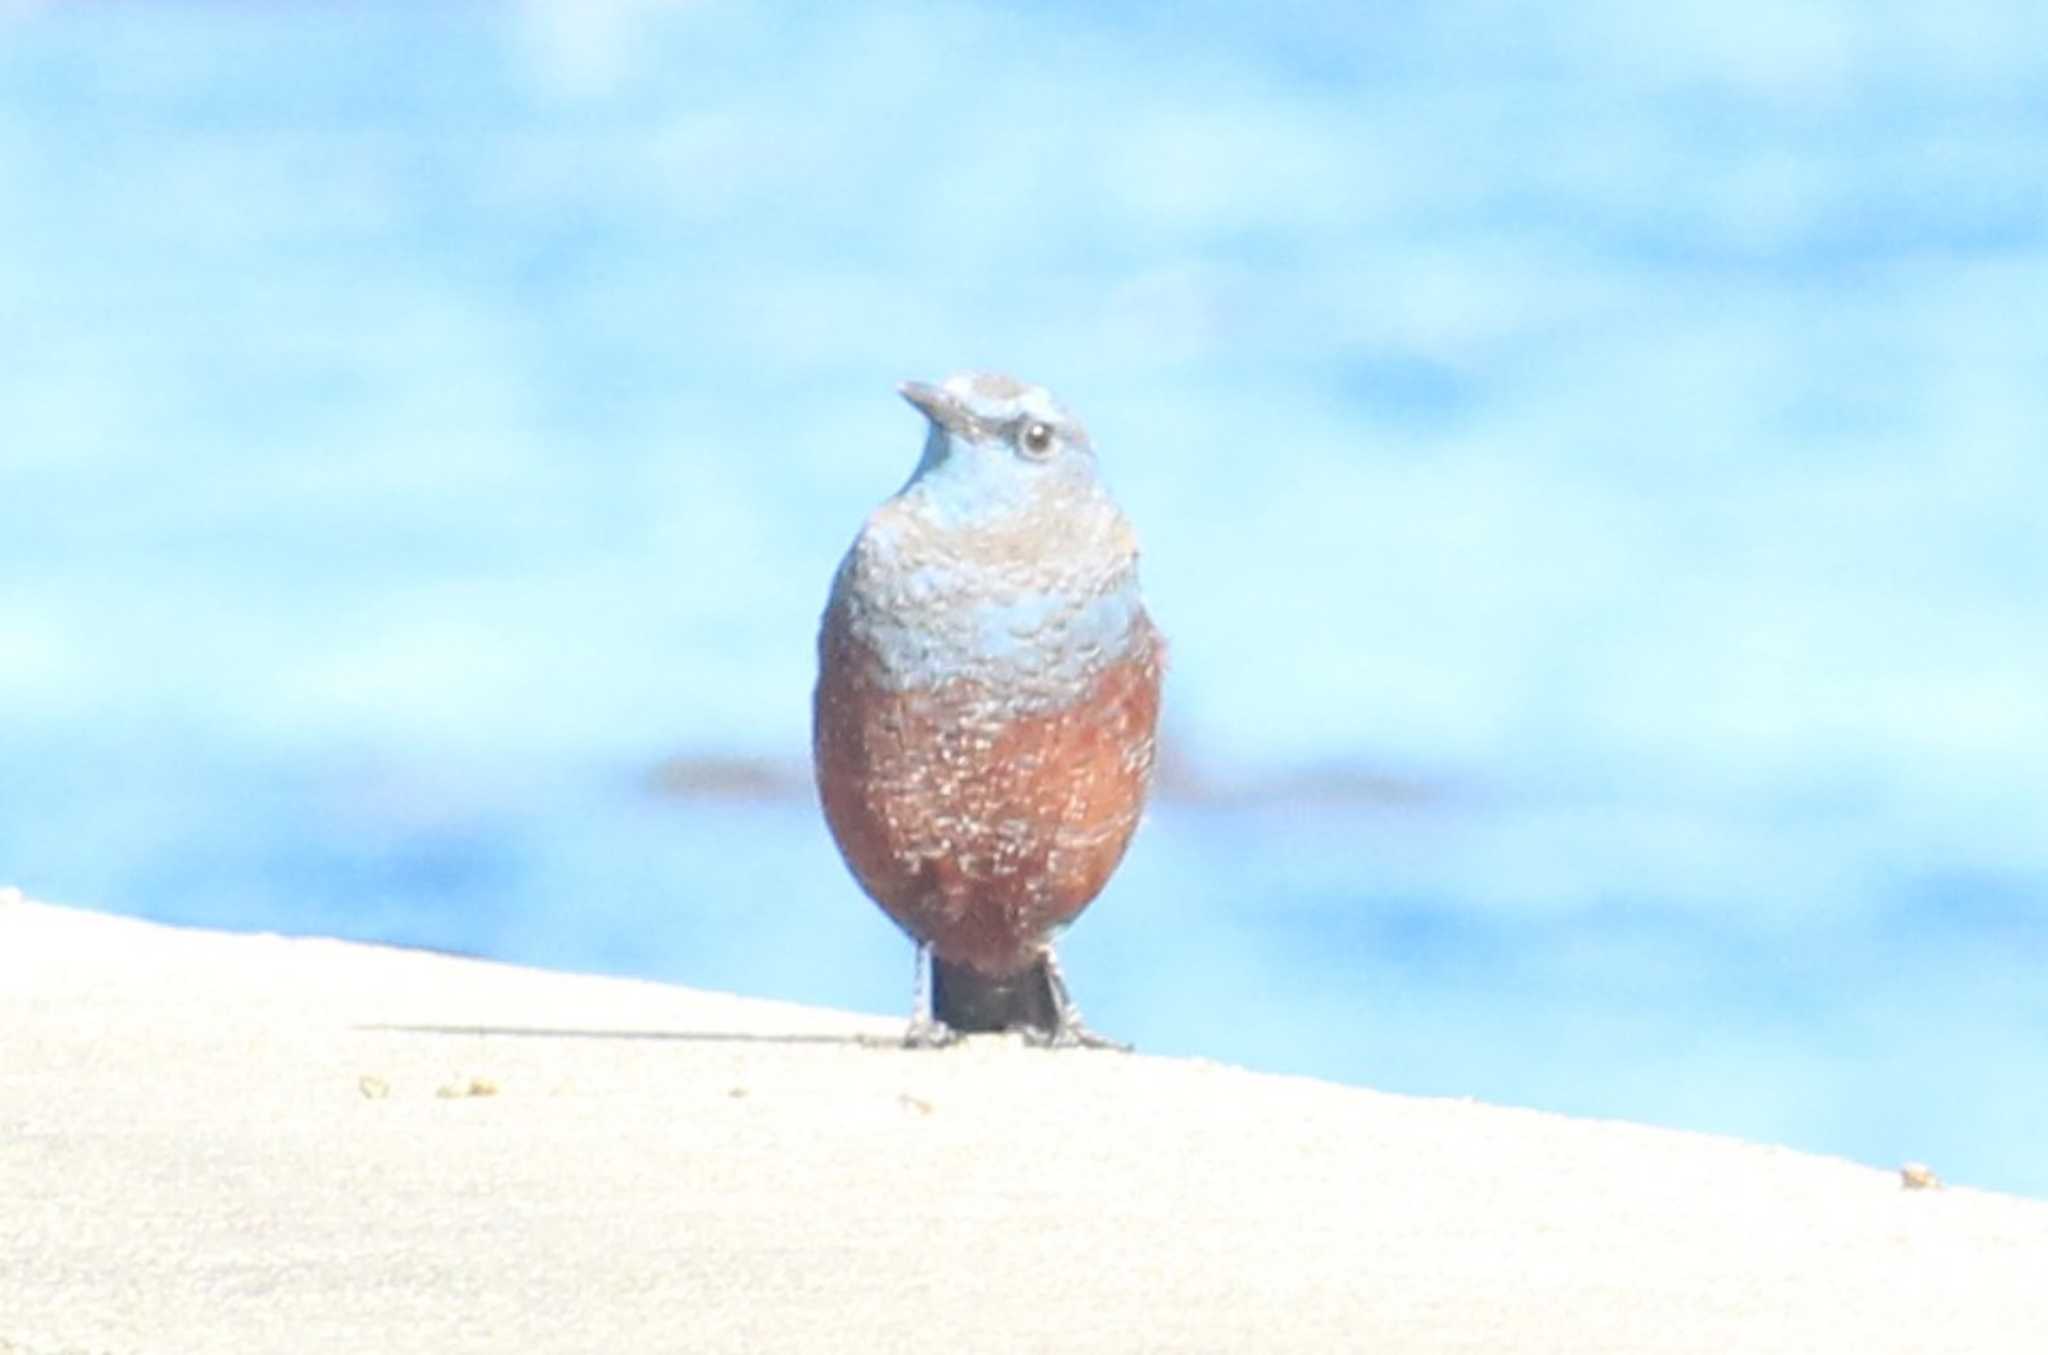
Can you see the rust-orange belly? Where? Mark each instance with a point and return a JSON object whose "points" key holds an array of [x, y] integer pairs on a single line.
{"points": [[979, 830]]}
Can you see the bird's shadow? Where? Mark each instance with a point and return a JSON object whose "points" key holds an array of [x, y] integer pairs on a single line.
{"points": [[853, 1040]]}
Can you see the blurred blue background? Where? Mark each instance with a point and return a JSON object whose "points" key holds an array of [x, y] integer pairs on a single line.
{"points": [[1589, 460]]}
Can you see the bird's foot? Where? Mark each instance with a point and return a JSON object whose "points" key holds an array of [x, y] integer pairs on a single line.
{"points": [[1069, 1030], [927, 1032], [1072, 1035]]}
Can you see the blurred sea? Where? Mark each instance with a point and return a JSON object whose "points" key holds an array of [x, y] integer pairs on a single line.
{"points": [[1590, 464]]}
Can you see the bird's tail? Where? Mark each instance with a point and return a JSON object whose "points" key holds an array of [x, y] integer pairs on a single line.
{"points": [[971, 1002]]}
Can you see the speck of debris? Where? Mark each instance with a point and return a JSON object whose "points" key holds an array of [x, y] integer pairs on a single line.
{"points": [[373, 1088], [1918, 1176], [914, 1103], [475, 1086], [737, 1093]]}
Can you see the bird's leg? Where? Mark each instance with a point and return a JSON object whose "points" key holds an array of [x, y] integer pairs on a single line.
{"points": [[1069, 1031], [926, 1030]]}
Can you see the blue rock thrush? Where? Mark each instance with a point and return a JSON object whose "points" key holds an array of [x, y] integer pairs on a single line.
{"points": [[988, 690]]}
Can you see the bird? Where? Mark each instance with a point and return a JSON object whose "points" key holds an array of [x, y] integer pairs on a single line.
{"points": [[987, 705]]}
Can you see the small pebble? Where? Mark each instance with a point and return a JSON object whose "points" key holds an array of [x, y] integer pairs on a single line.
{"points": [[1918, 1176], [476, 1086]]}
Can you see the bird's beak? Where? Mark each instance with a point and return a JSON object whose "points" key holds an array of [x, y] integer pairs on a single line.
{"points": [[938, 405]]}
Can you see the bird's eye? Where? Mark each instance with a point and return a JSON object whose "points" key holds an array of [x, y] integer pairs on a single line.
{"points": [[1036, 439]]}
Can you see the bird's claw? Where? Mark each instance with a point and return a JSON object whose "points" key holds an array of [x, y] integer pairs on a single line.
{"points": [[929, 1033], [1072, 1035]]}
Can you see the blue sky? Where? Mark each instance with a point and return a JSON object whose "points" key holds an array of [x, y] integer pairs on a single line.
{"points": [[1657, 390]]}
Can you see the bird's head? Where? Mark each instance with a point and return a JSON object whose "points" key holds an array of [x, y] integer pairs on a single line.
{"points": [[996, 445]]}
